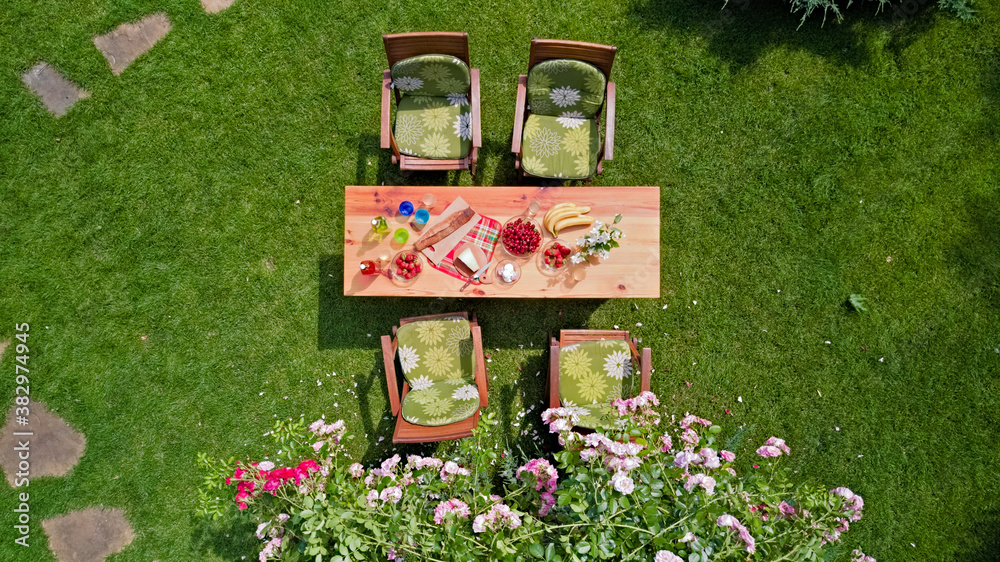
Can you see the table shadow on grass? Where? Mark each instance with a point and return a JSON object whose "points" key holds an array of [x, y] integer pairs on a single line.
{"points": [[530, 437], [230, 538], [744, 30]]}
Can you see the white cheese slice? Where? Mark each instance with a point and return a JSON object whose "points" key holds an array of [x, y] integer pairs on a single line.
{"points": [[468, 259]]}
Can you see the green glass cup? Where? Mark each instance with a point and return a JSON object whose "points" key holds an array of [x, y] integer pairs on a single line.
{"points": [[401, 235]]}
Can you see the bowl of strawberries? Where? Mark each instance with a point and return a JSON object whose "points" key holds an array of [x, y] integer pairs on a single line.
{"points": [[405, 267], [554, 258]]}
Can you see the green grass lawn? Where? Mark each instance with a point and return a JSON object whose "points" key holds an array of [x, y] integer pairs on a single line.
{"points": [[175, 242]]}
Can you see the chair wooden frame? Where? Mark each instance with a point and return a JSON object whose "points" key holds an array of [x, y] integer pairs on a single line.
{"points": [[601, 56], [406, 432], [402, 46], [641, 358]]}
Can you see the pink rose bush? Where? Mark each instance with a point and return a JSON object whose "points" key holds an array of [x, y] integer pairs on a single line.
{"points": [[641, 474], [650, 487]]}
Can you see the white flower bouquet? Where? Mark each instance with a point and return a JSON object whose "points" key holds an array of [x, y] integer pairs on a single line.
{"points": [[599, 242]]}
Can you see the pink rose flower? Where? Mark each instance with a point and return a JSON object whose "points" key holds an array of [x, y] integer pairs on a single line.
{"points": [[768, 451], [779, 443], [667, 556]]}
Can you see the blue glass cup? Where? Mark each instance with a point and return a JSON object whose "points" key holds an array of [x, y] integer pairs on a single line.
{"points": [[422, 216], [406, 208]]}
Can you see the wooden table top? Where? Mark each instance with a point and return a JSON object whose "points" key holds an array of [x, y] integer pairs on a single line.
{"points": [[632, 271]]}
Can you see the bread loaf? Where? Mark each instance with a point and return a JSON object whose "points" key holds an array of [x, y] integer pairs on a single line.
{"points": [[441, 230]]}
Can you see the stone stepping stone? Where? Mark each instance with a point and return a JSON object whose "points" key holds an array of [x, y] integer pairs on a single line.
{"points": [[53, 448], [88, 535], [215, 6], [130, 40], [57, 93], [3, 347]]}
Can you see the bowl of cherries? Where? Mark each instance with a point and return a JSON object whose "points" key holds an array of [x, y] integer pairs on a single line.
{"points": [[405, 268], [555, 258], [521, 237]]}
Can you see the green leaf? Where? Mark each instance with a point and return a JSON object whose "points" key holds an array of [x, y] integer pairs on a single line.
{"points": [[550, 552], [536, 550]]}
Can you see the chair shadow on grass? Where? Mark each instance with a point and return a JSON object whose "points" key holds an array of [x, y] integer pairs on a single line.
{"points": [[370, 153], [742, 31]]}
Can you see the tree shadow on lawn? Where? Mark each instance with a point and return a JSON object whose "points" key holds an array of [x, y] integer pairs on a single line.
{"points": [[986, 548], [742, 31], [977, 254]]}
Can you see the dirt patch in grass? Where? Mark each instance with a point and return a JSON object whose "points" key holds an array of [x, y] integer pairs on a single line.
{"points": [[53, 445], [88, 535]]}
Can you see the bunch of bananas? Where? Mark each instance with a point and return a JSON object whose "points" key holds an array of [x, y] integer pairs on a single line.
{"points": [[565, 215]]}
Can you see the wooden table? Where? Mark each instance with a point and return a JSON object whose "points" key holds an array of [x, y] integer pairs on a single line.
{"points": [[632, 271]]}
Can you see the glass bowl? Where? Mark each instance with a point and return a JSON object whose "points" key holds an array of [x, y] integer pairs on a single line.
{"points": [[398, 279], [499, 280], [520, 221], [551, 269]]}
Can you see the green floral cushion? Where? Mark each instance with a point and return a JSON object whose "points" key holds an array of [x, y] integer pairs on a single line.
{"points": [[596, 415], [565, 88], [591, 375], [440, 403], [433, 127], [560, 147], [431, 75], [436, 350]]}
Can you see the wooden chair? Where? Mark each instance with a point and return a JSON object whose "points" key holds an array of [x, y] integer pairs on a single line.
{"points": [[600, 56], [641, 360], [403, 46], [406, 432]]}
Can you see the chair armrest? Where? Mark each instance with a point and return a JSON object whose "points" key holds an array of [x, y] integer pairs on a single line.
{"points": [[646, 366], [388, 357], [609, 123], [482, 380], [520, 106], [386, 106], [477, 133], [554, 376]]}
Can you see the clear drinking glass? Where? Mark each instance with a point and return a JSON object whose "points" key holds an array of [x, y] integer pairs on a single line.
{"points": [[533, 207], [429, 201]]}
